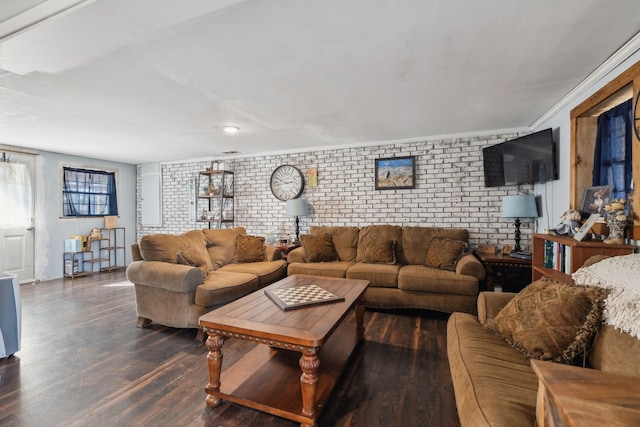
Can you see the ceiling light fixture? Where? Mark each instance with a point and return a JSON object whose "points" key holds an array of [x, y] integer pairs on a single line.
{"points": [[231, 129]]}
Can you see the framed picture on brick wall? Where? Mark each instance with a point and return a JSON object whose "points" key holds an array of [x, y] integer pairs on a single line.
{"points": [[395, 173]]}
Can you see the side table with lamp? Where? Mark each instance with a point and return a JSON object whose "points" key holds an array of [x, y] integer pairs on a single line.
{"points": [[511, 271]]}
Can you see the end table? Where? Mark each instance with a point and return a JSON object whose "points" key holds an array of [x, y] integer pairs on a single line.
{"points": [[497, 265]]}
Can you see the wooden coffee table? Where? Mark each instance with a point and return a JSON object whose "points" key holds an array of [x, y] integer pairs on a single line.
{"points": [[268, 377]]}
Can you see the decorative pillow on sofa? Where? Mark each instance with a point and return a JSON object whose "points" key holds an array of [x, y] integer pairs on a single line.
{"points": [[548, 320], [249, 249], [378, 250], [319, 248], [196, 257], [444, 253]]}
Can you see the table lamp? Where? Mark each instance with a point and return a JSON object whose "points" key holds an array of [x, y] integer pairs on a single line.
{"points": [[519, 206], [297, 208]]}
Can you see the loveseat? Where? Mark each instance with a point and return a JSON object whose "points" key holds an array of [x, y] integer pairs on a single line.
{"points": [[178, 278], [494, 382], [407, 267]]}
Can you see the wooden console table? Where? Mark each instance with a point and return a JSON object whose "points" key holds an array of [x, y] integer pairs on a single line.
{"points": [[574, 396]]}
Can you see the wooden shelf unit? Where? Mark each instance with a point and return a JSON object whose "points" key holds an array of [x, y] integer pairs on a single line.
{"points": [[214, 197], [113, 252], [580, 252], [102, 254]]}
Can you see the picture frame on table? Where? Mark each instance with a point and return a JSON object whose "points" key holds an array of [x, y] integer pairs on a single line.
{"points": [[594, 198], [395, 173], [586, 227]]}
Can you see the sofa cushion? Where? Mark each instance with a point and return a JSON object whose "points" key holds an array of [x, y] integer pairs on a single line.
{"points": [[319, 248], [494, 384], [429, 279], [444, 253], [415, 242], [221, 244], [378, 250], [550, 321], [378, 275], [328, 269], [249, 249], [267, 271], [616, 352], [345, 240], [167, 247], [382, 232], [161, 247], [222, 287]]}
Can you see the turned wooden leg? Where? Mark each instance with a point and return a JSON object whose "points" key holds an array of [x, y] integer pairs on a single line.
{"points": [[309, 362], [360, 317], [143, 322], [214, 361]]}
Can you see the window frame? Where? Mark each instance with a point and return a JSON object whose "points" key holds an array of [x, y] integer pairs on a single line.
{"points": [[101, 169]]}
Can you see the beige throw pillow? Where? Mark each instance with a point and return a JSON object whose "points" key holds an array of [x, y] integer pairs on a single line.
{"points": [[195, 257], [444, 253], [550, 321], [378, 250], [249, 249], [319, 248]]}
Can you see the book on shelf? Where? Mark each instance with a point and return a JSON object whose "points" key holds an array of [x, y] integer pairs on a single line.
{"points": [[557, 256]]}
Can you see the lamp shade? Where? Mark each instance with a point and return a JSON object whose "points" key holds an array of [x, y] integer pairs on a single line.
{"points": [[519, 206], [296, 207]]}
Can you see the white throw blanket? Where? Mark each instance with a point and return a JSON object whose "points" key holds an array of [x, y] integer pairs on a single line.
{"points": [[621, 275]]}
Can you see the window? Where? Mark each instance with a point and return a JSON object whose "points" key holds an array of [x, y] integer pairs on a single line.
{"points": [[88, 192]]}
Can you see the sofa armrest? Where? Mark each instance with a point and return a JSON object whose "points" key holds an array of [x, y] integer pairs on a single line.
{"points": [[273, 253], [490, 304], [469, 265], [172, 277], [296, 255]]}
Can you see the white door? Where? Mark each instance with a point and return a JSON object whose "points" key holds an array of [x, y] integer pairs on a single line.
{"points": [[16, 217]]}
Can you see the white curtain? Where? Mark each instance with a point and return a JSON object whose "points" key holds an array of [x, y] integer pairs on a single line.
{"points": [[16, 195]]}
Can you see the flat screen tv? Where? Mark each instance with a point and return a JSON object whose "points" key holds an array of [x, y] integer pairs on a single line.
{"points": [[525, 160]]}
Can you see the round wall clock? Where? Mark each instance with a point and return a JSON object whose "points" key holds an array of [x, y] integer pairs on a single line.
{"points": [[287, 182]]}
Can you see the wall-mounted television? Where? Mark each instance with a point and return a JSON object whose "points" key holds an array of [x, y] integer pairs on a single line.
{"points": [[525, 160]]}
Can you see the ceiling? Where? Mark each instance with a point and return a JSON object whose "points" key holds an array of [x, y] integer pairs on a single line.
{"points": [[138, 81]]}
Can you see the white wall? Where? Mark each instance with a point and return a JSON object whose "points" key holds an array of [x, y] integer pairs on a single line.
{"points": [[51, 230], [557, 192]]}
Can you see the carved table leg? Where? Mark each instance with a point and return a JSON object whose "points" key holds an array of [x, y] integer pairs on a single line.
{"points": [[309, 362], [214, 360], [360, 317]]}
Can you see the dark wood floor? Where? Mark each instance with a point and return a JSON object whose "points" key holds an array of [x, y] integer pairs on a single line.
{"points": [[83, 362]]}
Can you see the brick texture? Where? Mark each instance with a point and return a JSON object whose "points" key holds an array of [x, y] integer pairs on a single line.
{"points": [[449, 191]]}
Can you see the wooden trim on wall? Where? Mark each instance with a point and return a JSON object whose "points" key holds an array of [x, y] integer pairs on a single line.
{"points": [[609, 89], [627, 77]]}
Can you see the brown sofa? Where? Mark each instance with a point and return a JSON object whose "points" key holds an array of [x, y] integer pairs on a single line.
{"points": [[178, 278], [495, 384], [405, 266]]}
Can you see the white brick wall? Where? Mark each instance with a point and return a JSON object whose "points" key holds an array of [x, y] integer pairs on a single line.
{"points": [[449, 191]]}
